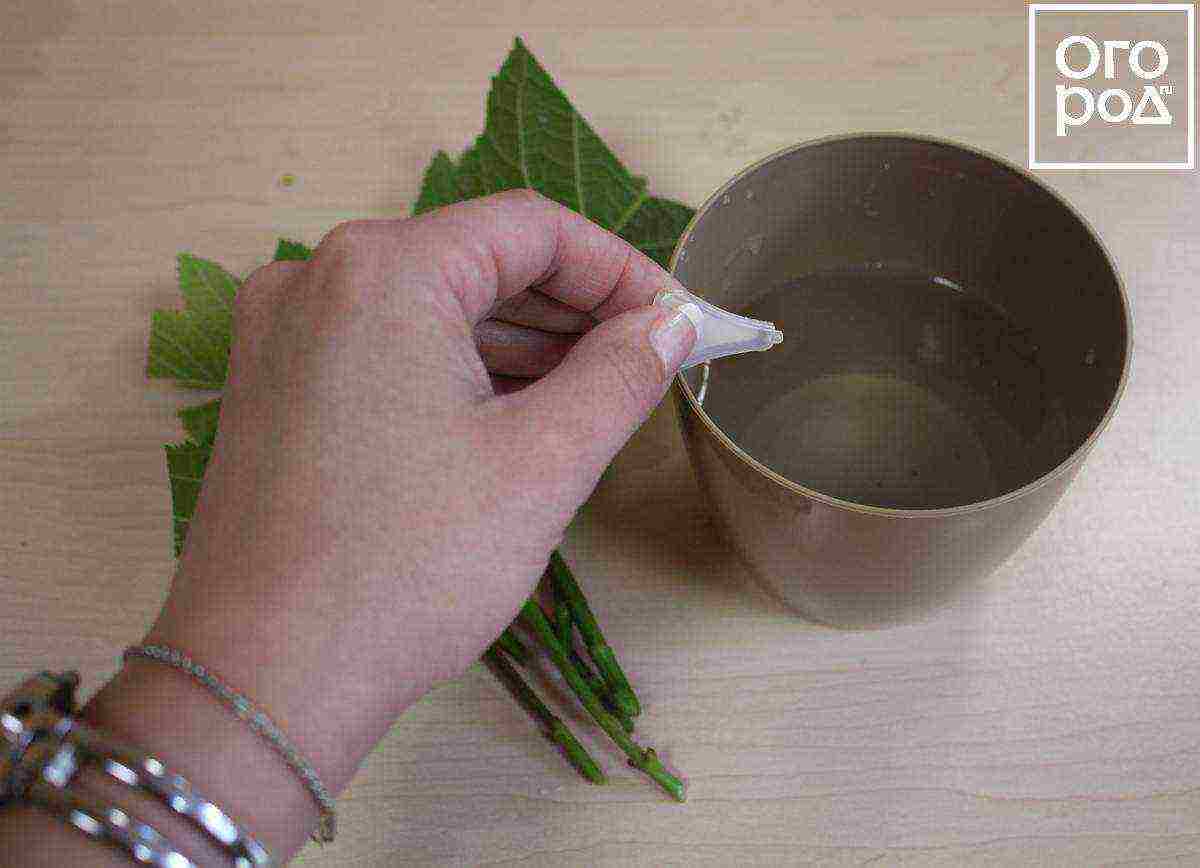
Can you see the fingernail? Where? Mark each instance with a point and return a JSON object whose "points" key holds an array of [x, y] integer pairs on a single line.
{"points": [[672, 338]]}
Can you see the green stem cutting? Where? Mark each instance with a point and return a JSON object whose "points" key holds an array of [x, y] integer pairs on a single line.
{"points": [[553, 728], [643, 759], [598, 649]]}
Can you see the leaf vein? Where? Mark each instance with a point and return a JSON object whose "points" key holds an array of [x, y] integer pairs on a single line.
{"points": [[578, 166], [213, 340], [165, 335], [624, 219], [215, 291], [520, 107], [499, 151]]}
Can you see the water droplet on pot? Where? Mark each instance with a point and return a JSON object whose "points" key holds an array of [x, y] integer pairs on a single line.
{"points": [[725, 199], [749, 194], [1089, 358]]}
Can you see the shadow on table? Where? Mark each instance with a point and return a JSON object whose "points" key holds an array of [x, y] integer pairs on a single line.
{"points": [[650, 517]]}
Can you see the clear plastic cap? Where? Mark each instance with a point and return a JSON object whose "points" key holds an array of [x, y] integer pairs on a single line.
{"points": [[718, 332]]}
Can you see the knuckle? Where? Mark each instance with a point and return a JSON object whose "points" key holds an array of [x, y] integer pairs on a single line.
{"points": [[522, 194], [386, 238], [527, 199], [342, 236], [271, 272], [262, 281], [623, 263]]}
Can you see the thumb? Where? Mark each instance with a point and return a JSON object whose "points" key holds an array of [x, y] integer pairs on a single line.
{"points": [[603, 390]]}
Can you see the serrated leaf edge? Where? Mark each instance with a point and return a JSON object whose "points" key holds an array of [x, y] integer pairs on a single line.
{"points": [[197, 265]]}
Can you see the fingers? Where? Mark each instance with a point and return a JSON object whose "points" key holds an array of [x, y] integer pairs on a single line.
{"points": [[518, 351], [502, 385], [488, 250], [526, 335], [531, 308], [582, 412]]}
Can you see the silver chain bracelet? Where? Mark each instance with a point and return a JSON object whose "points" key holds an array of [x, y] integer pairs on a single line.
{"points": [[258, 720]]}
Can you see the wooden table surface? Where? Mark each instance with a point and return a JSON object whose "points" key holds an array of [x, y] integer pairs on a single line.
{"points": [[1054, 719]]}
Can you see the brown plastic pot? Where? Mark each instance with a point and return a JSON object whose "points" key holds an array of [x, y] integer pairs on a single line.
{"points": [[890, 201]]}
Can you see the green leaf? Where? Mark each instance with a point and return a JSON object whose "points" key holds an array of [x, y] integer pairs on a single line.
{"points": [[187, 461], [191, 345], [185, 469], [656, 227], [534, 137], [471, 181], [440, 185], [200, 421], [288, 250]]}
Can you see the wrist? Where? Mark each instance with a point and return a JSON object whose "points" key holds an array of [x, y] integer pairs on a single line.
{"points": [[167, 714], [324, 700], [324, 654]]}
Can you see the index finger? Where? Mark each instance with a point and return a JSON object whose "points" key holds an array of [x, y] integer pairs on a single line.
{"points": [[497, 246]]}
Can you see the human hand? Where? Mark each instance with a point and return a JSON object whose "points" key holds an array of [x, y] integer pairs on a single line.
{"points": [[383, 495]]}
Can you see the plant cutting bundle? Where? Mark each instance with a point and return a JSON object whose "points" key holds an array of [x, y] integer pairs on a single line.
{"points": [[532, 137]]}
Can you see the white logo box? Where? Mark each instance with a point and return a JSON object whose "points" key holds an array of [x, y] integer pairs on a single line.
{"points": [[1134, 8]]}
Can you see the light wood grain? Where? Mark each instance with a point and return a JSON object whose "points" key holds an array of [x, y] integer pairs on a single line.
{"points": [[1053, 720]]}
